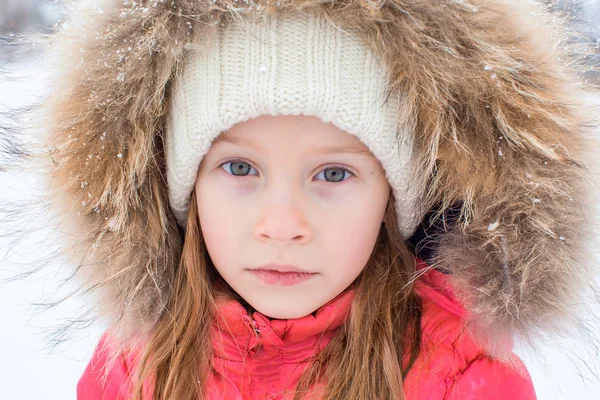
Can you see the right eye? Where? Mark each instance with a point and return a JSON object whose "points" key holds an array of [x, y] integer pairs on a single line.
{"points": [[237, 167]]}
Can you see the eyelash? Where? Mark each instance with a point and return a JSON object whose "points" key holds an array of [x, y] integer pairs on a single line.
{"points": [[328, 167]]}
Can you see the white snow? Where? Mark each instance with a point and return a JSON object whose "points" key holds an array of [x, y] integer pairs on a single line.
{"points": [[31, 369], [493, 226]]}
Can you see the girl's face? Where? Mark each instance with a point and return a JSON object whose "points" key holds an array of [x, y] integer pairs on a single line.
{"points": [[292, 191]]}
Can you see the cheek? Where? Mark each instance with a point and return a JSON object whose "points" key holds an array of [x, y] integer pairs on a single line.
{"points": [[221, 204], [351, 241], [354, 230], [220, 217]]}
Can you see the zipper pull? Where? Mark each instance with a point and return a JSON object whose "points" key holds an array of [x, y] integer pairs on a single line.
{"points": [[255, 327], [252, 323]]}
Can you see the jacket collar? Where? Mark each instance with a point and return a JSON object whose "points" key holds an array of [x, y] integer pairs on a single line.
{"points": [[302, 337]]}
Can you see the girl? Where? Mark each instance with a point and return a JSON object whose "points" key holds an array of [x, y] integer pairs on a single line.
{"points": [[317, 200]]}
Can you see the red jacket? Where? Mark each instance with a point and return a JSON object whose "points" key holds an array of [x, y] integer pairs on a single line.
{"points": [[255, 366]]}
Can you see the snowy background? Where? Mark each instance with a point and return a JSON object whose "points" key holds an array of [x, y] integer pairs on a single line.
{"points": [[33, 367]]}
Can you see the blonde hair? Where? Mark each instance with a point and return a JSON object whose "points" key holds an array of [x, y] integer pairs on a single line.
{"points": [[369, 356]]}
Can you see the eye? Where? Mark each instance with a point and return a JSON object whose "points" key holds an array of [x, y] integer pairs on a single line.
{"points": [[237, 167], [335, 174]]}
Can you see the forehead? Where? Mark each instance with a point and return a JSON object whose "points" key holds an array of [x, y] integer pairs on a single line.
{"points": [[293, 130]]}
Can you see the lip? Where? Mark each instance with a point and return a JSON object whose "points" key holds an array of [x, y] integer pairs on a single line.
{"points": [[284, 275], [281, 268]]}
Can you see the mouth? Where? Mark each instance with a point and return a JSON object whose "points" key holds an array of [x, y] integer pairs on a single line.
{"points": [[283, 275]]}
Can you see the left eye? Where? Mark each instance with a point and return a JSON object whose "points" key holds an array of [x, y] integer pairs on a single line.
{"points": [[336, 174]]}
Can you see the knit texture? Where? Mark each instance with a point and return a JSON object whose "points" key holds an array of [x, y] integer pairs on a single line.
{"points": [[286, 65]]}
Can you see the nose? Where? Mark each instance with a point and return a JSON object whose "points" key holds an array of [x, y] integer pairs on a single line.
{"points": [[283, 219]]}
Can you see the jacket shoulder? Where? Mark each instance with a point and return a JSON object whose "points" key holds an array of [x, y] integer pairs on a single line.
{"points": [[485, 378], [107, 375], [450, 365]]}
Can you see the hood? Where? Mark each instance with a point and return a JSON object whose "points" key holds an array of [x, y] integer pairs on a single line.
{"points": [[498, 119]]}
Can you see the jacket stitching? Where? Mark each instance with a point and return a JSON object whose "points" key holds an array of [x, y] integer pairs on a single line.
{"points": [[451, 379]]}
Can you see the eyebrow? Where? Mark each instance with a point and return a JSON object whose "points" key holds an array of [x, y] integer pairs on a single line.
{"points": [[322, 150]]}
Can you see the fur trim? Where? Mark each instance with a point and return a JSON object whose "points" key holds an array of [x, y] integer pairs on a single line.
{"points": [[499, 125]]}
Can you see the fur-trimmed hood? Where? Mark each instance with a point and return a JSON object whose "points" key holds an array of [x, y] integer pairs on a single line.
{"points": [[499, 125]]}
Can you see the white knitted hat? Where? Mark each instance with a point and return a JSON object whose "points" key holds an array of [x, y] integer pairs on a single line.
{"points": [[286, 65]]}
